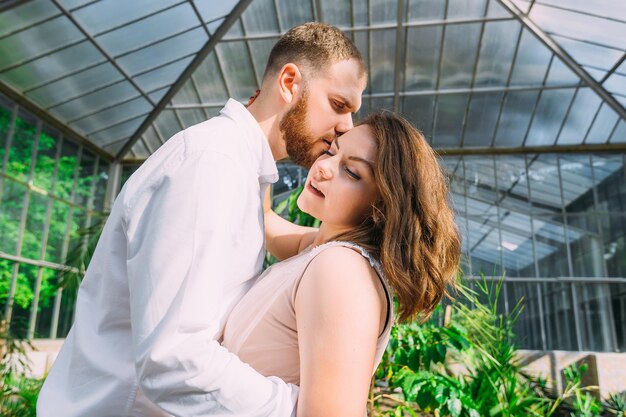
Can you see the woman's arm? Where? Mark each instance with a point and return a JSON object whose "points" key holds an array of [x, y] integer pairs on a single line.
{"points": [[339, 310], [283, 238]]}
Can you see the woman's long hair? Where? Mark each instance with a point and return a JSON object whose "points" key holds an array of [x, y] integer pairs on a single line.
{"points": [[411, 229]]}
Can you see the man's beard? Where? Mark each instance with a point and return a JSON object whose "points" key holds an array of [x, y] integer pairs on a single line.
{"points": [[298, 139]]}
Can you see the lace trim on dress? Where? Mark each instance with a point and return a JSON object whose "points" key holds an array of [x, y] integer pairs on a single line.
{"points": [[373, 261]]}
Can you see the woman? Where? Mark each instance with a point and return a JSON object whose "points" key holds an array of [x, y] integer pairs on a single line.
{"points": [[321, 318]]}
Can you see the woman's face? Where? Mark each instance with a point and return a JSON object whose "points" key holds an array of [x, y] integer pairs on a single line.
{"points": [[340, 188]]}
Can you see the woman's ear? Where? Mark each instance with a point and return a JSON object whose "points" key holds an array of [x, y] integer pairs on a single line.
{"points": [[289, 82]]}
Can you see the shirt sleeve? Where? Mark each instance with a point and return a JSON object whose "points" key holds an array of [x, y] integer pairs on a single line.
{"points": [[177, 267]]}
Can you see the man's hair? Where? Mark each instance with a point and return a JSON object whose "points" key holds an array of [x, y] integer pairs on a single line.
{"points": [[314, 47]]}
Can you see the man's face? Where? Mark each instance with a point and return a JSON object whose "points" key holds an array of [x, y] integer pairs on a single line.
{"points": [[323, 111]]}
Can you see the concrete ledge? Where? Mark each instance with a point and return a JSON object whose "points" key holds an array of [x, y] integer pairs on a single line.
{"points": [[609, 373]]}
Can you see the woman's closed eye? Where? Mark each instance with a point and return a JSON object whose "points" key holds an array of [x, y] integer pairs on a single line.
{"points": [[352, 174]]}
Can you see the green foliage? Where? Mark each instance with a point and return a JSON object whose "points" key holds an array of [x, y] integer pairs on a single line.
{"points": [[25, 208], [294, 214], [616, 405], [18, 394], [469, 368]]}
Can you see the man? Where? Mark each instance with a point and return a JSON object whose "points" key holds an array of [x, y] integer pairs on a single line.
{"points": [[185, 239]]}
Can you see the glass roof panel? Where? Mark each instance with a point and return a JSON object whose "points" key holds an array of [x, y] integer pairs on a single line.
{"points": [[157, 95], [25, 15], [523, 5], [169, 50], [496, 53], [211, 9], [53, 66], [449, 120], [163, 76], [459, 55], [186, 95], [235, 31], [140, 150], [549, 116], [210, 84], [616, 84], [422, 57], [420, 10], [214, 25], [481, 119], [260, 17], [336, 13], [560, 74], [589, 54], [37, 40], [132, 108], [159, 26], [531, 62], [606, 165], [360, 12], [383, 11], [95, 101], [290, 15], [381, 76], [71, 4], [104, 15], [260, 50], [603, 125], [362, 42], [496, 10], [596, 74], [515, 119], [151, 139], [466, 9], [237, 69], [117, 134], [619, 135], [66, 88], [191, 117], [419, 110], [595, 29], [167, 125], [580, 117], [606, 8]]}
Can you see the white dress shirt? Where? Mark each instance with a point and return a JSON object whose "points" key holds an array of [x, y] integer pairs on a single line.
{"points": [[182, 245]]}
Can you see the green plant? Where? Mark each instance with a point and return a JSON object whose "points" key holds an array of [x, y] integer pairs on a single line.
{"points": [[294, 214], [18, 394], [468, 367], [615, 405]]}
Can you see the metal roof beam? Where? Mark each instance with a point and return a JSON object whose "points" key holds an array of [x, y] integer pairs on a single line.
{"points": [[195, 63], [564, 56], [585, 149]]}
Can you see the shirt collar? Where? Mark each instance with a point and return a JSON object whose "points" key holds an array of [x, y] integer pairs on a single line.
{"points": [[267, 170]]}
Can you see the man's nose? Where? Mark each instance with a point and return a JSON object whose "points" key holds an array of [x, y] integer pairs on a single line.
{"points": [[345, 124]]}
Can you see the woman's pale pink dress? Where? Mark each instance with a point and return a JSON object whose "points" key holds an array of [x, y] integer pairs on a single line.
{"points": [[262, 328]]}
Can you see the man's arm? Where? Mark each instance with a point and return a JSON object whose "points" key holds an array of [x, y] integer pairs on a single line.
{"points": [[181, 254]]}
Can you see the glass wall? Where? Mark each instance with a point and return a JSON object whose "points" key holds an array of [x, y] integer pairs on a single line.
{"points": [[555, 227], [50, 191]]}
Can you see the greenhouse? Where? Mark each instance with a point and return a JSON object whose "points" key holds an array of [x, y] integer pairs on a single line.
{"points": [[524, 101]]}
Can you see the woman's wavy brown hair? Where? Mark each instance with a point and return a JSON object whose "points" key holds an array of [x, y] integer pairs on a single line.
{"points": [[411, 228]]}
